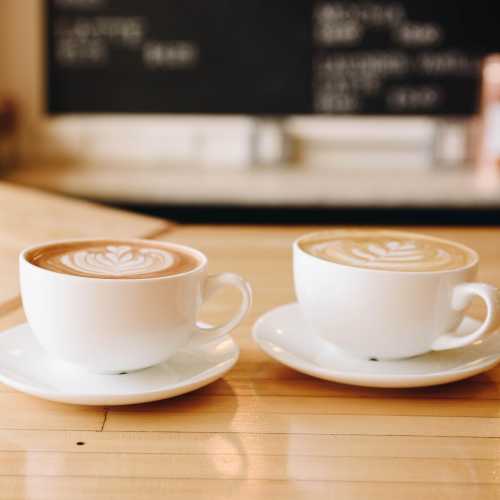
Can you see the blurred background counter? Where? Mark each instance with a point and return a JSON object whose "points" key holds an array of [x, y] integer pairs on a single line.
{"points": [[280, 195], [307, 111]]}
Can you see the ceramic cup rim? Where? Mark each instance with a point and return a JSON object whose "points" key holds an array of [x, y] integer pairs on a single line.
{"points": [[392, 272], [200, 256]]}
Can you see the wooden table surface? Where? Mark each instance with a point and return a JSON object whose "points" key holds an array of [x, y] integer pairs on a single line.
{"points": [[264, 431]]}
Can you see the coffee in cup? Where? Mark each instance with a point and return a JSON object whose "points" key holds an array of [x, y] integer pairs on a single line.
{"points": [[113, 259], [387, 251]]}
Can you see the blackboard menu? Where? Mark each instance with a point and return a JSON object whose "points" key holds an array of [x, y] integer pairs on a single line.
{"points": [[267, 57]]}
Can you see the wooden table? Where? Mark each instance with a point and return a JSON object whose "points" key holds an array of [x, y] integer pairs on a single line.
{"points": [[264, 431]]}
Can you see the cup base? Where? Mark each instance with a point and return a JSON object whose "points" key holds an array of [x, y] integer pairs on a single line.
{"points": [[26, 366]]}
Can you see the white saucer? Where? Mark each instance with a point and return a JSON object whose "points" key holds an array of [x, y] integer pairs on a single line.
{"points": [[25, 366], [281, 333]]}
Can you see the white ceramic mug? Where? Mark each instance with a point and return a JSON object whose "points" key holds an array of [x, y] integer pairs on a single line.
{"points": [[379, 314], [119, 325]]}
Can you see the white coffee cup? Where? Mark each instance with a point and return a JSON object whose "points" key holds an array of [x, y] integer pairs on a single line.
{"points": [[120, 325], [387, 314]]}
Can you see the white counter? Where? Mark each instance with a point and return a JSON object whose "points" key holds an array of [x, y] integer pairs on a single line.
{"points": [[276, 186]]}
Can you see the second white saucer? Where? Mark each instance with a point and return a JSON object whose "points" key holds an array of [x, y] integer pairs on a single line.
{"points": [[25, 366], [282, 334]]}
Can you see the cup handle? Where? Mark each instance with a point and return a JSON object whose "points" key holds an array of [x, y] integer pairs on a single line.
{"points": [[462, 295], [212, 283]]}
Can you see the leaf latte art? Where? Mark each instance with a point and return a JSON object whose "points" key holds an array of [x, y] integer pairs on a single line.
{"points": [[389, 252], [118, 261], [114, 259]]}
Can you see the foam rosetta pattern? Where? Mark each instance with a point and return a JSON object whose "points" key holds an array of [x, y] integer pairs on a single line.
{"points": [[118, 261], [390, 253]]}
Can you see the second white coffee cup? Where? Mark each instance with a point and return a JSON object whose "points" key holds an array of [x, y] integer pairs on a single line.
{"points": [[389, 314]]}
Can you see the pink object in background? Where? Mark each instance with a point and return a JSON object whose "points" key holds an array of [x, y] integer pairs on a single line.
{"points": [[488, 154]]}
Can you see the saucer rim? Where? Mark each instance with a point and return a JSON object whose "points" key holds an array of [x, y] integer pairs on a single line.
{"points": [[137, 397], [360, 378]]}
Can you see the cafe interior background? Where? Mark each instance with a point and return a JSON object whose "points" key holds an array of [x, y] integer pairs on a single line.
{"points": [[318, 111]]}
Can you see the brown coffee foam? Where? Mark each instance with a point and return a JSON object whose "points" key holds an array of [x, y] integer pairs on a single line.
{"points": [[342, 243], [48, 257]]}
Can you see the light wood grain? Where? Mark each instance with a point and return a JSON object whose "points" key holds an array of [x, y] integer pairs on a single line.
{"points": [[19, 411], [12, 318], [9, 288], [83, 488], [227, 443], [263, 467], [264, 431], [300, 405], [473, 388], [29, 216], [304, 424]]}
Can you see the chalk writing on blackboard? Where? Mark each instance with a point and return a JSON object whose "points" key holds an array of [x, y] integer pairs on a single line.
{"points": [[267, 57], [374, 54]]}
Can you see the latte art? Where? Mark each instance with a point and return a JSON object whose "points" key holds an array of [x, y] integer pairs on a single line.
{"points": [[114, 259], [388, 251], [119, 261]]}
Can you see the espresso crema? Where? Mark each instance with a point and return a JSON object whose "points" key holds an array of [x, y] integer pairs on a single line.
{"points": [[387, 250], [113, 259]]}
